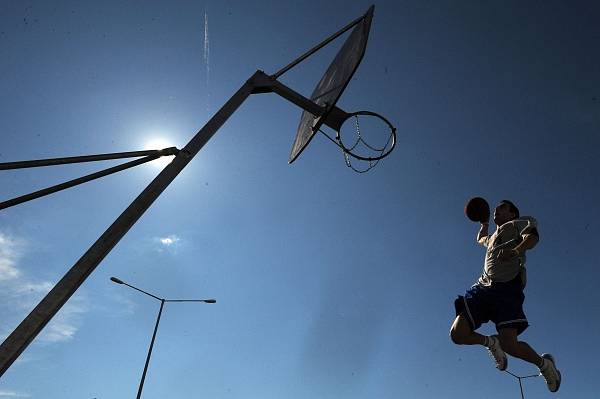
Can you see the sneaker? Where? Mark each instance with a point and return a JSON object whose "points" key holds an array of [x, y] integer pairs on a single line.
{"points": [[496, 352], [550, 372]]}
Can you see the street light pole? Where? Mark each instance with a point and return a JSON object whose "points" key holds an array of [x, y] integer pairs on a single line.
{"points": [[139, 394], [162, 304]]}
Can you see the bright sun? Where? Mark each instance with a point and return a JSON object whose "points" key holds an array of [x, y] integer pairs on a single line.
{"points": [[159, 144]]}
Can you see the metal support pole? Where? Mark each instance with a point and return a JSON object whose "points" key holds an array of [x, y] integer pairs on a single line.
{"points": [[318, 46], [519, 377], [86, 158], [267, 84], [75, 182], [31, 326], [139, 394], [521, 386], [162, 303]]}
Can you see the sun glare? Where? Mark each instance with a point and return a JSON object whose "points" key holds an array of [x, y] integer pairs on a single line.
{"points": [[159, 144]]}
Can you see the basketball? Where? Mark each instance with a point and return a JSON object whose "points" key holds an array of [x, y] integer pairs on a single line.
{"points": [[477, 209]]}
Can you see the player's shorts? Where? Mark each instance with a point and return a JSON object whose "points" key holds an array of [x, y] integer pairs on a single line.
{"points": [[501, 303]]}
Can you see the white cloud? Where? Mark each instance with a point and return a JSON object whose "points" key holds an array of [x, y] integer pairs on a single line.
{"points": [[58, 332], [170, 243], [10, 252], [66, 323], [169, 240], [19, 294], [25, 358], [125, 305], [13, 394], [31, 288]]}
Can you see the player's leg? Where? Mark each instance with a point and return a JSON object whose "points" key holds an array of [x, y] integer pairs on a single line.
{"points": [[472, 310], [516, 348], [522, 350], [461, 332]]}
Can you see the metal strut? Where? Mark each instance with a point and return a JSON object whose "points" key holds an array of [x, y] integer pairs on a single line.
{"points": [[30, 327], [150, 156], [518, 377], [86, 158]]}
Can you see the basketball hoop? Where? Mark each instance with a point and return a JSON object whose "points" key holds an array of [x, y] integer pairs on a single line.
{"points": [[370, 145]]}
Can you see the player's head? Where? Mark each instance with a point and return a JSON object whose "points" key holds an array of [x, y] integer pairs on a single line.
{"points": [[505, 212]]}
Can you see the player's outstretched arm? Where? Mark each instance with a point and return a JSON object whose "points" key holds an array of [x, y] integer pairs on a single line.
{"points": [[482, 236]]}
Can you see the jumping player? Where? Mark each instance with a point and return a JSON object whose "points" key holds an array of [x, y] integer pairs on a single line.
{"points": [[498, 294]]}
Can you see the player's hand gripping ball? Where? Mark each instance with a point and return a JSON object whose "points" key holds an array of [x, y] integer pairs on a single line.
{"points": [[478, 210]]}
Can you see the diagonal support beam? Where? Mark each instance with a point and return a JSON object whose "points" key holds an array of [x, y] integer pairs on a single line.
{"points": [[75, 182], [86, 158], [33, 324], [268, 84]]}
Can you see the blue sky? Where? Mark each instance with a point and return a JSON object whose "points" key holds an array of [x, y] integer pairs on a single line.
{"points": [[329, 284]]}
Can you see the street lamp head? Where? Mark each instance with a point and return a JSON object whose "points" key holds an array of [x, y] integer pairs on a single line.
{"points": [[210, 301], [116, 280]]}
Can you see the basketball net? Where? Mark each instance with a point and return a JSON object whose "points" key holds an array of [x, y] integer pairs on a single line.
{"points": [[363, 155]]}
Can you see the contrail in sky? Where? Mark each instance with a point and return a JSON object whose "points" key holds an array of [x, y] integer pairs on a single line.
{"points": [[206, 60]]}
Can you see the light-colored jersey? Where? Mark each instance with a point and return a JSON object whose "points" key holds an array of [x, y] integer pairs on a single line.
{"points": [[507, 236]]}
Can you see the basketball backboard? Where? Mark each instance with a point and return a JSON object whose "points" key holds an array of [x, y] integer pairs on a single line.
{"points": [[333, 83]]}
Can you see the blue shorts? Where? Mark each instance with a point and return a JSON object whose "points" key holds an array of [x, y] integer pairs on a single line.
{"points": [[501, 303]]}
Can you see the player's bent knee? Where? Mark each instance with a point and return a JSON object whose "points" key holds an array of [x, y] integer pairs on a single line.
{"points": [[456, 336], [460, 331]]}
